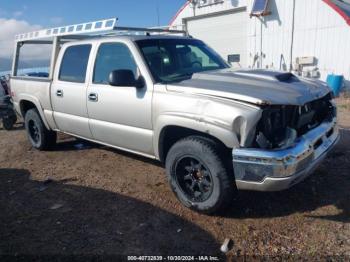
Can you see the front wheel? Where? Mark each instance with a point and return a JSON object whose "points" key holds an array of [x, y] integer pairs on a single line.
{"points": [[40, 137], [198, 176]]}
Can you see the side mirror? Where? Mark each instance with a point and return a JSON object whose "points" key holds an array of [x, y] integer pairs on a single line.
{"points": [[125, 77]]}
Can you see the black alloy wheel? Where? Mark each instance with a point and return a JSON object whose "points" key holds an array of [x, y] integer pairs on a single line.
{"points": [[194, 178]]}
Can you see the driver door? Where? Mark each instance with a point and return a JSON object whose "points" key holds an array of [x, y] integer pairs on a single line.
{"points": [[119, 115]]}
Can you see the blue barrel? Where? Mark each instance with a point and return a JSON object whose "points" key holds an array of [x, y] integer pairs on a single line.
{"points": [[335, 82]]}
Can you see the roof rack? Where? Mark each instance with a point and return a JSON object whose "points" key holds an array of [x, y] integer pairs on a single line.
{"points": [[56, 36], [95, 28]]}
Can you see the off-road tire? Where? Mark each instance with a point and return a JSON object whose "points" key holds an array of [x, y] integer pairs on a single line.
{"points": [[207, 152], [44, 139]]}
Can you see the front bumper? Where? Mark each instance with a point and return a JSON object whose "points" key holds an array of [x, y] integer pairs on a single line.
{"points": [[275, 170]]}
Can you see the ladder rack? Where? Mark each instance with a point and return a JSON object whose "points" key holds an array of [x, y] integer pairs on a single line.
{"points": [[58, 35], [86, 30]]}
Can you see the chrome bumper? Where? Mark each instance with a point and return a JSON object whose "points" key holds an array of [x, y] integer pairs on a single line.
{"points": [[275, 170]]}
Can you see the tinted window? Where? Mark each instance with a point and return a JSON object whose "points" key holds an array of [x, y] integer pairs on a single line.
{"points": [[112, 56], [74, 63]]}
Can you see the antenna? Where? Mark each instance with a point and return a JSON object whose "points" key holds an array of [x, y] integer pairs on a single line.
{"points": [[158, 14]]}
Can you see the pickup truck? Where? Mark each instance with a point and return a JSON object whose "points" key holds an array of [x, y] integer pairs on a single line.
{"points": [[172, 98]]}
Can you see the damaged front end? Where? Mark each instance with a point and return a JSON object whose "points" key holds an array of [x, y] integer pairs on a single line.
{"points": [[280, 126], [289, 142]]}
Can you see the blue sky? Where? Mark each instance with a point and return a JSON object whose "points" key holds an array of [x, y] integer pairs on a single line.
{"points": [[18, 16], [53, 13]]}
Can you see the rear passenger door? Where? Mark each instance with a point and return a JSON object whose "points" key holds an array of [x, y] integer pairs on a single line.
{"points": [[120, 115], [68, 91]]}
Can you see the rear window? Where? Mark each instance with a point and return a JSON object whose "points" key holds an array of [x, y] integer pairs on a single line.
{"points": [[74, 63]]}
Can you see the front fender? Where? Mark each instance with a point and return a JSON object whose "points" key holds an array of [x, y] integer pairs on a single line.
{"points": [[210, 126]]}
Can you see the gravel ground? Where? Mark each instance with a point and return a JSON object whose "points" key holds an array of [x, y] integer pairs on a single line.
{"points": [[88, 200]]}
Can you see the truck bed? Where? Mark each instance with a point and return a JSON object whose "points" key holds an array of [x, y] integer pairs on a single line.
{"points": [[35, 90]]}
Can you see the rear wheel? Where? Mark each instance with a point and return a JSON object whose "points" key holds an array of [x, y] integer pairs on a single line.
{"points": [[198, 176], [40, 137]]}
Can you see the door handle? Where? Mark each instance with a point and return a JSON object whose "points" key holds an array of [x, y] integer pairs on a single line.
{"points": [[93, 97], [59, 93]]}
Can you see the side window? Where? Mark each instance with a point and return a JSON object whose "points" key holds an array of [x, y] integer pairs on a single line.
{"points": [[74, 63], [112, 56]]}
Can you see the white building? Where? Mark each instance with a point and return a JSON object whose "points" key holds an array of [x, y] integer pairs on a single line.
{"points": [[310, 36]]}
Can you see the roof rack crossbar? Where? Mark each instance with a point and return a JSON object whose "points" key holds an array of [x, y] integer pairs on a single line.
{"points": [[150, 30], [77, 29], [90, 29]]}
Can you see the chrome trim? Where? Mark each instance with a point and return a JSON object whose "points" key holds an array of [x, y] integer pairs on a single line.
{"points": [[274, 170]]}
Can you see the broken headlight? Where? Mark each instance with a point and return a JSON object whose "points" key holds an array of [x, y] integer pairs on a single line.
{"points": [[279, 126]]}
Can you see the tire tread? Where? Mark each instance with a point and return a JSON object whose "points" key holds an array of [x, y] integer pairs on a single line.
{"points": [[227, 183], [49, 137]]}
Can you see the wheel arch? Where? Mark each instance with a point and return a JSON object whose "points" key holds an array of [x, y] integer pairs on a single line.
{"points": [[27, 103], [174, 127]]}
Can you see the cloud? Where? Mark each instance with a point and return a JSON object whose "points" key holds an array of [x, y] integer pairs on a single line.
{"points": [[12, 27], [56, 20]]}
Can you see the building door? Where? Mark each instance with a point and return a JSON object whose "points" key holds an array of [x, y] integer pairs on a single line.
{"points": [[226, 32]]}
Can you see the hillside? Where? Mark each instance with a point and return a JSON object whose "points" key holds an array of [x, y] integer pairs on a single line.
{"points": [[6, 63]]}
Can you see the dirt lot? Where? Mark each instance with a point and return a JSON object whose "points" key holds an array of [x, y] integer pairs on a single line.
{"points": [[104, 202]]}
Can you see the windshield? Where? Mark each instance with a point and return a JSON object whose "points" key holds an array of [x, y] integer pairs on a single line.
{"points": [[174, 60]]}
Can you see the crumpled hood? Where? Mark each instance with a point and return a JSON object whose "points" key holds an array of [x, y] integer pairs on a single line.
{"points": [[254, 86]]}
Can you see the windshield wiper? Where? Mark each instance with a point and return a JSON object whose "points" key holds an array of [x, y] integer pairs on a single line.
{"points": [[185, 75], [178, 78]]}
